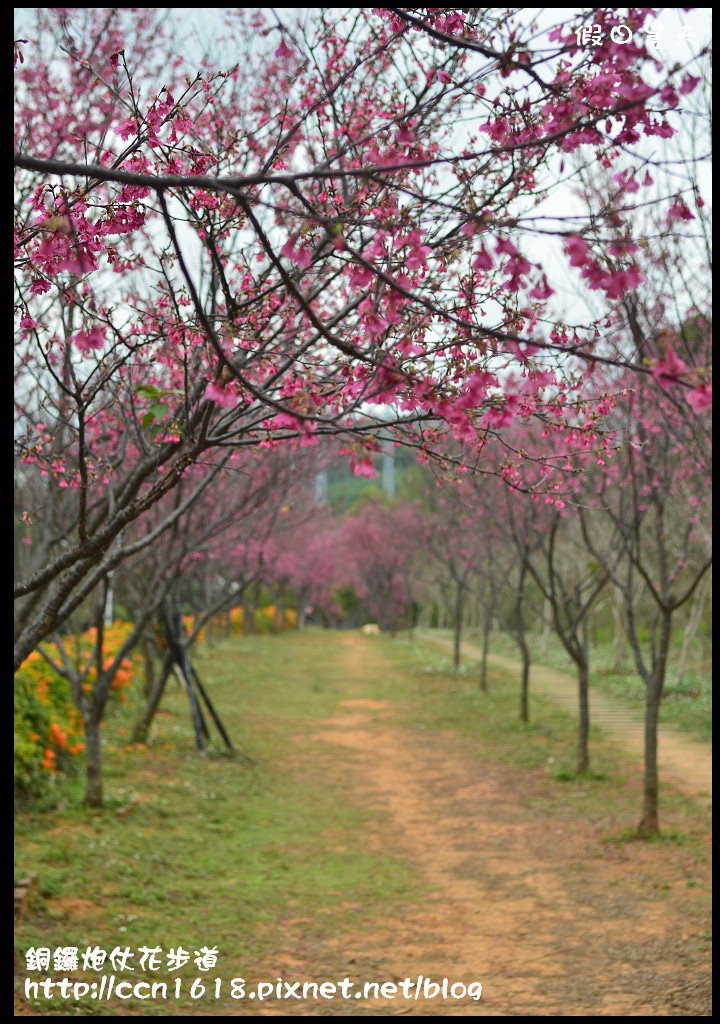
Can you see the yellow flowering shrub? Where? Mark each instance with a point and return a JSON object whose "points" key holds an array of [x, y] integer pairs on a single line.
{"points": [[48, 726], [265, 620]]}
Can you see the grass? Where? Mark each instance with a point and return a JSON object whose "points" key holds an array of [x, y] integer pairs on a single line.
{"points": [[217, 850], [686, 703], [629, 835]]}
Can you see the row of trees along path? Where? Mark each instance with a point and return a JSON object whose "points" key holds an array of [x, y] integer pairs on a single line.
{"points": [[683, 761]]}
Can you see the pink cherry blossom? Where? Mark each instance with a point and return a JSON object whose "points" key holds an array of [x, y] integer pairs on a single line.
{"points": [[91, 340]]}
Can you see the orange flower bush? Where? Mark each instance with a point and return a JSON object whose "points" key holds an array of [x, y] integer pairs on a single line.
{"points": [[48, 726]]}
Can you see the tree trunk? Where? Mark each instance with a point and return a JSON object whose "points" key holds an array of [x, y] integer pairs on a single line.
{"points": [[486, 643], [149, 665], [649, 823], [142, 727], [302, 601], [248, 626], [457, 625], [93, 762], [279, 617], [619, 638], [521, 641], [583, 756], [525, 684]]}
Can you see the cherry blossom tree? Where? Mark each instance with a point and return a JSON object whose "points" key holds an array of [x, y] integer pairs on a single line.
{"points": [[305, 560], [260, 250], [379, 546], [225, 536], [654, 491], [451, 536], [211, 530], [654, 495]]}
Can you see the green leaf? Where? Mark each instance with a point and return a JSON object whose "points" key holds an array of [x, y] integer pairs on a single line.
{"points": [[159, 410]]}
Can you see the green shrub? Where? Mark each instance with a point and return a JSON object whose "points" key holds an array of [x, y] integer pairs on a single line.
{"points": [[31, 722], [47, 727]]}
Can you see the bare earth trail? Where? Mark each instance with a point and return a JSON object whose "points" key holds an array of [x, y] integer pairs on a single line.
{"points": [[685, 762], [550, 925]]}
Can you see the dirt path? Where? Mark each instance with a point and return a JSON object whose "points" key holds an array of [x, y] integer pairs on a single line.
{"points": [[685, 762], [513, 900]]}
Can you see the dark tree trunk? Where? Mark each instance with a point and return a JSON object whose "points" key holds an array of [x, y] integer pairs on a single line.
{"points": [[149, 666], [248, 621], [521, 641], [144, 722], [458, 624], [486, 643], [649, 823], [524, 682], [583, 756], [301, 606], [93, 762]]}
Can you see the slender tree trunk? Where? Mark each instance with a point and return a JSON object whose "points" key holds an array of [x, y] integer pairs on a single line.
{"points": [[248, 621], [249, 606], [583, 756], [521, 641], [619, 638], [301, 608], [93, 762], [486, 643], [149, 665], [457, 625], [525, 683], [143, 724], [649, 823]]}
